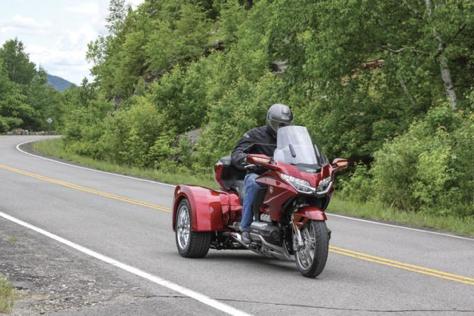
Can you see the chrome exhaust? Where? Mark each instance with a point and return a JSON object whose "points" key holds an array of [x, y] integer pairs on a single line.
{"points": [[275, 250]]}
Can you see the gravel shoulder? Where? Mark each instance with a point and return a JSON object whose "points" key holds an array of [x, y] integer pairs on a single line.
{"points": [[51, 279]]}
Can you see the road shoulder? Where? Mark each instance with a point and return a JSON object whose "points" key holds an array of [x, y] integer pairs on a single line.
{"points": [[52, 279]]}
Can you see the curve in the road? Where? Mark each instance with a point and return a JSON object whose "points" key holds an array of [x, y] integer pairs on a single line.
{"points": [[19, 148], [337, 250]]}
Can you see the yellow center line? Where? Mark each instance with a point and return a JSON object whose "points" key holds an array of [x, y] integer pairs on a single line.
{"points": [[333, 249], [403, 266], [86, 189]]}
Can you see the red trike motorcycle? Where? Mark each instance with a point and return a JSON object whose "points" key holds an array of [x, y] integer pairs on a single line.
{"points": [[289, 212]]}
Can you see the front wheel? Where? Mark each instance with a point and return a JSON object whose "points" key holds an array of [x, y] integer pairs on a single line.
{"points": [[311, 258], [190, 244]]}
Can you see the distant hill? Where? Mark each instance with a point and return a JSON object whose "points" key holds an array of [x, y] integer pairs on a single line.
{"points": [[58, 83]]}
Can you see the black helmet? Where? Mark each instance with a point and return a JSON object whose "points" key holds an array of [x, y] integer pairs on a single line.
{"points": [[279, 115]]}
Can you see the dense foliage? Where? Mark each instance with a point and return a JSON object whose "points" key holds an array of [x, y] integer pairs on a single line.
{"points": [[388, 84], [26, 100]]}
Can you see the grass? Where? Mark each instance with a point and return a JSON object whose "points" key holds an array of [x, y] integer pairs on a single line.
{"points": [[7, 295], [12, 240], [55, 148], [368, 210], [377, 211]]}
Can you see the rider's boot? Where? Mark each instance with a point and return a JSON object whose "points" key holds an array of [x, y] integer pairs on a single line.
{"points": [[246, 237]]}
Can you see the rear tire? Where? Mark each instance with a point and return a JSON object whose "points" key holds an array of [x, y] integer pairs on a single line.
{"points": [[311, 259], [190, 244]]}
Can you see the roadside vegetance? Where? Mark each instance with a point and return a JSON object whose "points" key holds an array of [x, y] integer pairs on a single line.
{"points": [[386, 85], [7, 295], [364, 209]]}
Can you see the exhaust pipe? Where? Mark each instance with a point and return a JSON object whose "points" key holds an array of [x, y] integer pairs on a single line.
{"points": [[275, 250]]}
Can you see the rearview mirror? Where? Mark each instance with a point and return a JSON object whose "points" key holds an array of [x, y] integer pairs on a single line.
{"points": [[340, 163]]}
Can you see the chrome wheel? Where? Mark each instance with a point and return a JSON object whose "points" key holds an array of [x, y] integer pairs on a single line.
{"points": [[183, 226], [305, 255], [312, 254], [190, 244]]}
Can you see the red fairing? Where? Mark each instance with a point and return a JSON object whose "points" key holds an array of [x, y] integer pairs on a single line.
{"points": [[308, 213], [277, 194], [218, 168], [206, 207], [326, 171], [231, 207]]}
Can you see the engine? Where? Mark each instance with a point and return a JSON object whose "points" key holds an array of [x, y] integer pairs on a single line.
{"points": [[269, 232]]}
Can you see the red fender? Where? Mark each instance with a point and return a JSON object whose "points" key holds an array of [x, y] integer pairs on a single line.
{"points": [[306, 213], [206, 207]]}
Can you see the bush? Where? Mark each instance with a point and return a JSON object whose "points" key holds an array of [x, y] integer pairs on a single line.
{"points": [[84, 127], [130, 133], [427, 168], [358, 186], [180, 97]]}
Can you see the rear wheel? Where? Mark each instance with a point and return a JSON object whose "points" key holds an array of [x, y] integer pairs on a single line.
{"points": [[311, 258], [190, 244]]}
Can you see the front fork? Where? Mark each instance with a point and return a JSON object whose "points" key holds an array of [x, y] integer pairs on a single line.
{"points": [[298, 242]]}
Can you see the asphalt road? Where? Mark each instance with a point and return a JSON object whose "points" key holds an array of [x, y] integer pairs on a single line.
{"points": [[372, 268]]}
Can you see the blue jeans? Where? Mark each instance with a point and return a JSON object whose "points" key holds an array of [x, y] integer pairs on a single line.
{"points": [[251, 187]]}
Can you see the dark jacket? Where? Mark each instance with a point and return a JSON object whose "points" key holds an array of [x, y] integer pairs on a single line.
{"points": [[259, 140]]}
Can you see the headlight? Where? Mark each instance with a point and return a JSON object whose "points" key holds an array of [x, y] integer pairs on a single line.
{"points": [[300, 185], [323, 184]]}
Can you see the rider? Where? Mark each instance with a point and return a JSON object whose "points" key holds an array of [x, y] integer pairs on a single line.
{"points": [[259, 140]]}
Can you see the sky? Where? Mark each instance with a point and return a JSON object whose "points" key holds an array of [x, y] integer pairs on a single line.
{"points": [[56, 32]]}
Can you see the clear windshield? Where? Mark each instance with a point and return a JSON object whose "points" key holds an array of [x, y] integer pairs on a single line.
{"points": [[294, 146]]}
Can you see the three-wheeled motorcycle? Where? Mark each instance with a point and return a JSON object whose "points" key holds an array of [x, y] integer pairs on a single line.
{"points": [[289, 211]]}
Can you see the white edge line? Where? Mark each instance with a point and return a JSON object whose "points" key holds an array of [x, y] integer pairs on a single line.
{"points": [[86, 168], [172, 186], [145, 275]]}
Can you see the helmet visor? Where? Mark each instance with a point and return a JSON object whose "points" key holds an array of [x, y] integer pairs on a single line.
{"points": [[275, 125]]}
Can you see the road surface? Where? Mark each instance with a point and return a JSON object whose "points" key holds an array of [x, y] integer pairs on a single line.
{"points": [[120, 227]]}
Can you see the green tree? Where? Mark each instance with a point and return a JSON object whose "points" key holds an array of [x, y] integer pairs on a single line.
{"points": [[117, 15], [14, 110], [368, 78], [45, 101], [16, 62]]}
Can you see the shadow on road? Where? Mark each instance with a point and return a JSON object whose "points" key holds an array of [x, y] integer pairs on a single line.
{"points": [[251, 259]]}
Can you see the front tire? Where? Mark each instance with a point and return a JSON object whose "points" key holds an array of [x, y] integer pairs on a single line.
{"points": [[190, 244], [311, 259]]}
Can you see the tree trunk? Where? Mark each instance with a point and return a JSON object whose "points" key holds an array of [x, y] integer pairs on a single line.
{"points": [[443, 62], [447, 81], [406, 91]]}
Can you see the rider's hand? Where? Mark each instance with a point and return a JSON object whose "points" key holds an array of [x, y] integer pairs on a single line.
{"points": [[261, 160]]}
